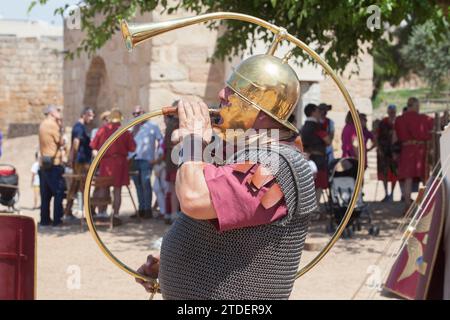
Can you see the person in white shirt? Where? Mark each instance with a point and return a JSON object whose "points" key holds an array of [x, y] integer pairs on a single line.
{"points": [[35, 182], [146, 136]]}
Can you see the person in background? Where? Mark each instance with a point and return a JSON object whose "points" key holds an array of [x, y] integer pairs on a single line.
{"points": [[413, 131], [172, 203], [146, 136], [386, 152], [115, 161], [80, 156], [368, 135], [35, 182], [160, 185], [104, 121], [328, 126], [52, 183], [350, 139], [315, 141], [104, 118]]}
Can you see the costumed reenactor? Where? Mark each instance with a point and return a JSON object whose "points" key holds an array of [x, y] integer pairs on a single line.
{"points": [[413, 131], [315, 141], [329, 127], [172, 204], [387, 152], [243, 223]]}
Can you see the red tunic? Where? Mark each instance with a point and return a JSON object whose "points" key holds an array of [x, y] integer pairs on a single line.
{"points": [[413, 130], [237, 203], [114, 162]]}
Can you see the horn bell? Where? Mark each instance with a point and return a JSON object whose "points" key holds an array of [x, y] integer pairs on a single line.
{"points": [[135, 33]]}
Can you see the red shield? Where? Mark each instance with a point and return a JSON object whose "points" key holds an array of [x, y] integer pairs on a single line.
{"points": [[17, 257], [411, 273]]}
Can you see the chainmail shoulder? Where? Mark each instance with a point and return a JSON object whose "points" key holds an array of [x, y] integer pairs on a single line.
{"points": [[198, 262]]}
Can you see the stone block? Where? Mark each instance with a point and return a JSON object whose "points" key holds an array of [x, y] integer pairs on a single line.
{"points": [[161, 97], [188, 88], [195, 55], [204, 73], [164, 72]]}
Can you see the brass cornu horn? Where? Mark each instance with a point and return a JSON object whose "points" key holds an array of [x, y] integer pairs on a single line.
{"points": [[135, 34]]}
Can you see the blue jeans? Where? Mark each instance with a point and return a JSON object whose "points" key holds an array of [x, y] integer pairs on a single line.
{"points": [[52, 185], [143, 183]]}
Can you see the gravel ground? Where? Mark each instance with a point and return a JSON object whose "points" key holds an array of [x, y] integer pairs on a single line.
{"points": [[71, 266]]}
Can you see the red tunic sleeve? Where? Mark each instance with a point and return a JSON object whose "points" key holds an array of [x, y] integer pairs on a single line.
{"points": [[98, 140], [321, 133], [238, 202]]}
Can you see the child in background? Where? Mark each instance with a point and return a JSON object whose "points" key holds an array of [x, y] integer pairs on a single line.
{"points": [[35, 182]]}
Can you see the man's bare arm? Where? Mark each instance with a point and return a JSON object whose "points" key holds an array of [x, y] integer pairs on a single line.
{"points": [[193, 192], [74, 150], [190, 185]]}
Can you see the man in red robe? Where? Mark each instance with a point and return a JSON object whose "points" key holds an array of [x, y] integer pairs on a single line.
{"points": [[413, 131]]}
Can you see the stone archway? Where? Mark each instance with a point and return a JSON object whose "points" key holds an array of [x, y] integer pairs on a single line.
{"points": [[96, 93]]}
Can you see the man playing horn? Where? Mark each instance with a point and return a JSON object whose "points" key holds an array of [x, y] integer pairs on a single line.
{"points": [[244, 221]]}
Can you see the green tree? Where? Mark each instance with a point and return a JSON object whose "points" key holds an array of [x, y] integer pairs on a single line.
{"points": [[428, 55], [336, 28], [389, 63]]}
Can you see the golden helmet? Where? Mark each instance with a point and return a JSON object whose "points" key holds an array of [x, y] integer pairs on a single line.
{"points": [[268, 84]]}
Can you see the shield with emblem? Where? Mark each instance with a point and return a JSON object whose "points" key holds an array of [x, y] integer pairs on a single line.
{"points": [[411, 274]]}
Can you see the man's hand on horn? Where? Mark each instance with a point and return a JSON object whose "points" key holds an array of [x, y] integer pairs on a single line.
{"points": [[149, 269], [194, 119]]}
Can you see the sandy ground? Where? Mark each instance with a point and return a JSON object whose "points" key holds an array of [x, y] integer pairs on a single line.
{"points": [[71, 266]]}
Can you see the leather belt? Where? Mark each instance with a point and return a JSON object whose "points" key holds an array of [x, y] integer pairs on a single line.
{"points": [[413, 142]]}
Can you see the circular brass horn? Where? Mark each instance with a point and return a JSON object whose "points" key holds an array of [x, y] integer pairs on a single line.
{"points": [[134, 34]]}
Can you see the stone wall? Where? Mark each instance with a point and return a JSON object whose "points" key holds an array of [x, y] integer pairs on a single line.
{"points": [[153, 75], [30, 78], [107, 79]]}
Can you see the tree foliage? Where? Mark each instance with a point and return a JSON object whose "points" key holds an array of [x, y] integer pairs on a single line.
{"points": [[389, 63], [336, 28], [428, 55]]}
